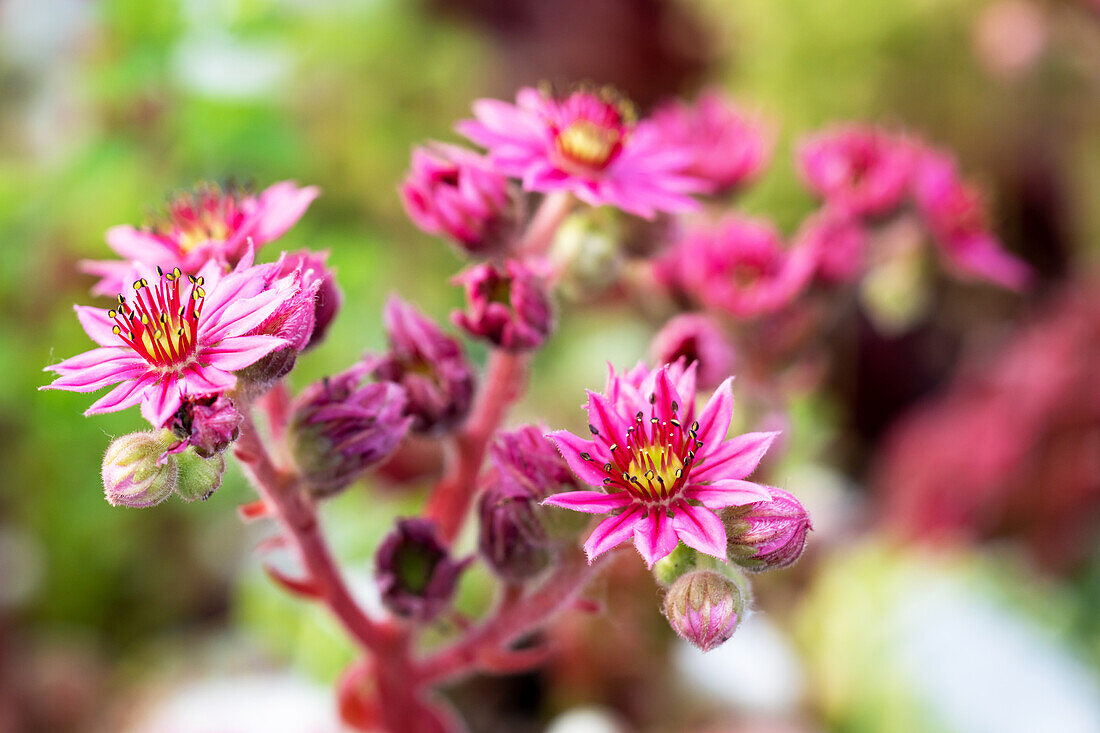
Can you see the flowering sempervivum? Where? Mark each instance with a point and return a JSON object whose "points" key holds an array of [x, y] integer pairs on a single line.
{"points": [[587, 144], [174, 337], [861, 169], [454, 192], [663, 470], [210, 223], [727, 149], [957, 216], [429, 364], [738, 265], [507, 305]]}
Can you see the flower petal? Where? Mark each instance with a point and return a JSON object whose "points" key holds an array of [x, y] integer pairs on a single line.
{"points": [[238, 352], [571, 447], [727, 492], [160, 401], [736, 458], [654, 536], [97, 324], [714, 420], [701, 529], [124, 395], [591, 502], [611, 532]]}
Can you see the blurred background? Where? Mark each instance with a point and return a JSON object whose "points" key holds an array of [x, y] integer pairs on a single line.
{"points": [[951, 459]]}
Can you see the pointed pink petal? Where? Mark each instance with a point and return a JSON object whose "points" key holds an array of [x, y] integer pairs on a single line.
{"points": [[97, 325], [591, 502], [611, 426], [727, 492], [611, 532], [280, 207], [714, 420], [571, 447], [205, 380], [160, 401], [237, 352], [103, 355], [124, 395], [736, 458], [138, 246], [654, 536], [97, 377], [701, 529]]}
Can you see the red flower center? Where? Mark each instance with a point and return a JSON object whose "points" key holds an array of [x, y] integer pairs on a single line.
{"points": [[159, 323]]}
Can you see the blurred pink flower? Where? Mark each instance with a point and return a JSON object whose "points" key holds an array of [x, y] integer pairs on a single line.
{"points": [[727, 147], [208, 224], [664, 471], [455, 192], [857, 168], [176, 338], [586, 144], [506, 304], [959, 221], [738, 265], [839, 242], [698, 339]]}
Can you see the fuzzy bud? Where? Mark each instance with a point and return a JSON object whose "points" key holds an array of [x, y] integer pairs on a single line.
{"points": [[416, 576], [586, 252], [318, 279], [511, 536], [507, 305], [430, 365], [339, 427], [457, 193], [138, 471], [199, 477], [695, 337], [767, 535], [207, 424], [704, 608]]}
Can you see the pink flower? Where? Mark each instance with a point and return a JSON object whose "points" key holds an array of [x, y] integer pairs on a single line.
{"points": [[738, 265], [173, 338], [507, 305], [697, 338], [208, 224], [839, 242], [663, 470], [586, 144], [727, 148], [858, 168], [455, 192], [959, 221]]}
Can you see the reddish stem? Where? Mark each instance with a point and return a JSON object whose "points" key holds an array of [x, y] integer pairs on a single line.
{"points": [[451, 497], [549, 216]]}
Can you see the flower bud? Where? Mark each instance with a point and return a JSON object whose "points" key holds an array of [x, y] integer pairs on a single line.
{"points": [[695, 337], [507, 305], [430, 365], [532, 460], [415, 574], [457, 193], [767, 535], [704, 607], [339, 427], [208, 424], [318, 279], [587, 253], [511, 536], [199, 477], [137, 471]]}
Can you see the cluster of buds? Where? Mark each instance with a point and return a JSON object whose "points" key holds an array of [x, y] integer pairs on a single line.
{"points": [[143, 469]]}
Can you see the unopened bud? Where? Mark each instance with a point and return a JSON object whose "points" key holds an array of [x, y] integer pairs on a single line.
{"points": [[508, 305], [199, 477], [137, 471], [586, 252], [416, 576], [697, 338], [208, 424], [767, 535], [704, 608], [339, 427], [511, 536]]}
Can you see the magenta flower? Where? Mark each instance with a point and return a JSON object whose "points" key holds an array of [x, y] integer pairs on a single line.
{"points": [[857, 168], [663, 470], [839, 241], [173, 338], [210, 223], [454, 192], [727, 148], [959, 221], [586, 144], [695, 337], [506, 304], [738, 265]]}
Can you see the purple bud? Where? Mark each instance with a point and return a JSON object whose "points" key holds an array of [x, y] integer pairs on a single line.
{"points": [[416, 576], [457, 193], [293, 320], [339, 427], [511, 535], [768, 535], [430, 365], [318, 279], [532, 460], [508, 305], [137, 471], [208, 424], [696, 338], [704, 607]]}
